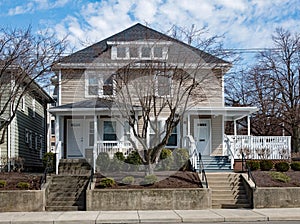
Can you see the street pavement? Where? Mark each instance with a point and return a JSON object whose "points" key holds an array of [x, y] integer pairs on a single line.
{"points": [[285, 215]]}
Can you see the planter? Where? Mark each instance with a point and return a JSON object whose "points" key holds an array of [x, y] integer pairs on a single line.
{"points": [[148, 199]]}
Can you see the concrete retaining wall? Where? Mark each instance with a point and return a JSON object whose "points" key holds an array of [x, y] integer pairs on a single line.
{"points": [[149, 199], [276, 197], [22, 201]]}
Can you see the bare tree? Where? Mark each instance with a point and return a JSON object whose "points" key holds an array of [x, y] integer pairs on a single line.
{"points": [[148, 90], [273, 85], [25, 59]]}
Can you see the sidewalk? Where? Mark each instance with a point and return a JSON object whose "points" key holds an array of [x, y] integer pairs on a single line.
{"points": [[166, 216]]}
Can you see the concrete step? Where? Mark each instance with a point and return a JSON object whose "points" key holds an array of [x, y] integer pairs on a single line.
{"points": [[64, 208]]}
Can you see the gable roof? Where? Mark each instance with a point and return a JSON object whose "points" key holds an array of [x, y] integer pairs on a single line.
{"points": [[133, 33]]}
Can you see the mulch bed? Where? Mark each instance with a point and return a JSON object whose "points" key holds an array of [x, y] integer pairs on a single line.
{"points": [[13, 178], [167, 179], [263, 179]]}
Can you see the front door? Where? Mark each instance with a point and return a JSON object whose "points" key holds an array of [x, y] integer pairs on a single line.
{"points": [[75, 138], [202, 135]]}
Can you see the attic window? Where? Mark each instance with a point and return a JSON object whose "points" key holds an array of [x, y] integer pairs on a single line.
{"points": [[121, 52]]}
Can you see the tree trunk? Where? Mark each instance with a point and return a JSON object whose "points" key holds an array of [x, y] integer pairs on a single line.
{"points": [[295, 139]]}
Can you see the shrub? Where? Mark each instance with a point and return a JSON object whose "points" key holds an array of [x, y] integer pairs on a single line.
{"points": [[103, 161], [295, 166], [128, 180], [253, 165], [266, 165], [107, 182], [23, 185], [2, 183], [181, 157], [134, 160], [282, 166], [282, 177], [117, 162], [49, 159], [166, 159], [149, 179]]}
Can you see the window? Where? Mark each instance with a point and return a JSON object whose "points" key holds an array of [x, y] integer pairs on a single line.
{"points": [[52, 127], [41, 146], [30, 139], [109, 131], [91, 133], [108, 87], [134, 52], [36, 141], [121, 52], [26, 136], [92, 85], [146, 52], [164, 85], [155, 135], [157, 52], [172, 141]]}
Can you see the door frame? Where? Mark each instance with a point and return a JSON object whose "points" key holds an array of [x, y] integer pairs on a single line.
{"points": [[196, 120]]}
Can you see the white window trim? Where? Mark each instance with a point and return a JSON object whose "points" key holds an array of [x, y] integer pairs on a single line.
{"points": [[100, 87], [163, 121], [33, 107], [156, 87], [23, 103]]}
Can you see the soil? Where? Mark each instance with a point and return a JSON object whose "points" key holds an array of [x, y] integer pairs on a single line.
{"points": [[166, 179], [13, 178], [263, 179]]}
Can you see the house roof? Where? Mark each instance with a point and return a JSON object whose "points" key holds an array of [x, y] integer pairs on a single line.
{"points": [[134, 33], [97, 104]]}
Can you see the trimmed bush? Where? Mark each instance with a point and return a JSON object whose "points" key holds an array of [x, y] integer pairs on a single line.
{"points": [[117, 162], [253, 165], [23, 185], [282, 166], [282, 177], [181, 157], [2, 183], [103, 161], [266, 165], [166, 159], [133, 161], [107, 182], [149, 179], [128, 180], [295, 166]]}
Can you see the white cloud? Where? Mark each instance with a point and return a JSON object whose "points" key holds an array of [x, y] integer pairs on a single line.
{"points": [[245, 23]]}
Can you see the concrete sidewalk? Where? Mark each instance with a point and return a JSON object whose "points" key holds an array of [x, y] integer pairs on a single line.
{"points": [[166, 216]]}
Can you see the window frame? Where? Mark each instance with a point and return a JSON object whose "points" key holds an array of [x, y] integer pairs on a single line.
{"points": [[110, 133]]}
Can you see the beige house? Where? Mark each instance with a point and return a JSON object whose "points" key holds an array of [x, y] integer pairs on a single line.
{"points": [[87, 122]]}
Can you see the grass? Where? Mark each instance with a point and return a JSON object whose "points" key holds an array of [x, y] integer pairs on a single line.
{"points": [[278, 176]]}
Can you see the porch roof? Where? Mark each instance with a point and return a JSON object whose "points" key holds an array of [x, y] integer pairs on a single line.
{"points": [[92, 105], [229, 113]]}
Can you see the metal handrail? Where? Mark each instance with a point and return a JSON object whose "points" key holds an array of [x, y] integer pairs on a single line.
{"points": [[43, 179], [202, 170], [249, 173]]}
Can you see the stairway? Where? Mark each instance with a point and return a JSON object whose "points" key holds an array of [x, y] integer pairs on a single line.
{"points": [[67, 190], [216, 164], [228, 190]]}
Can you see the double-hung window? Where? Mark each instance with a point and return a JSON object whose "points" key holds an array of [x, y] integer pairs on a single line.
{"points": [[163, 85], [172, 141], [109, 130], [98, 85], [156, 134], [92, 87]]}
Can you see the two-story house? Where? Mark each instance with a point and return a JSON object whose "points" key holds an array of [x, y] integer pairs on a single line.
{"points": [[25, 139], [86, 123]]}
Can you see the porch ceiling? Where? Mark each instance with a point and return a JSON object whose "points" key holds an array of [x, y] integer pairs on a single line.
{"points": [[229, 113]]}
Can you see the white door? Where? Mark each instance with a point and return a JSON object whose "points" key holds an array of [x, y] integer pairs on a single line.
{"points": [[75, 138], [202, 135]]}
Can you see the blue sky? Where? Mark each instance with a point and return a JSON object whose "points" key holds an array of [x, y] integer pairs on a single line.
{"points": [[244, 23]]}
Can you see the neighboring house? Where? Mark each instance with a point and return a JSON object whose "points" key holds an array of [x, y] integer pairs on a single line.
{"points": [[25, 139], [84, 122]]}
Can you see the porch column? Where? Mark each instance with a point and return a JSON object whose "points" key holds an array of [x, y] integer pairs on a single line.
{"points": [[58, 148], [234, 128], [248, 122], [95, 142]]}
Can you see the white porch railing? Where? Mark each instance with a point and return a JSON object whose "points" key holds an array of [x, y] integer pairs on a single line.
{"points": [[111, 147], [258, 147]]}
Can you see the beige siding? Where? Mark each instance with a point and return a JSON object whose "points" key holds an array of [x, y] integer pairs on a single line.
{"points": [[217, 136]]}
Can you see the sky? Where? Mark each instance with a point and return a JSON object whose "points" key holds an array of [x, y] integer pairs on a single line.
{"points": [[244, 23]]}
